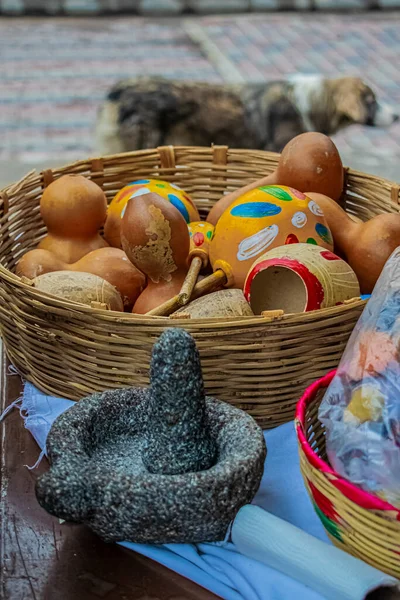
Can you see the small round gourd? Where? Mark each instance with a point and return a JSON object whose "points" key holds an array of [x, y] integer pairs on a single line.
{"points": [[73, 209]]}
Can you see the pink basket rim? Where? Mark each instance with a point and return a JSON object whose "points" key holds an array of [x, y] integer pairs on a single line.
{"points": [[351, 491]]}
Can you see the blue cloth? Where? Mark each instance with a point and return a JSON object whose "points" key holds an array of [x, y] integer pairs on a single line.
{"points": [[220, 567]]}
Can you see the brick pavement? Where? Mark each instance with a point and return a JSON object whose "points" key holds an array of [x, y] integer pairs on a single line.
{"points": [[276, 45], [54, 73]]}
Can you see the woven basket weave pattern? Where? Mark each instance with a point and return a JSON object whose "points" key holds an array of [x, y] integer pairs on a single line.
{"points": [[356, 521], [259, 364]]}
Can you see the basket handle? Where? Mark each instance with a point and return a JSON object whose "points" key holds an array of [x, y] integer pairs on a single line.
{"points": [[167, 157], [220, 158], [97, 171], [343, 198], [394, 193], [6, 203], [220, 155], [5, 207], [47, 178]]}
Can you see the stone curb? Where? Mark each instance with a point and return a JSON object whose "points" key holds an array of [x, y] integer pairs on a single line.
{"points": [[177, 7]]}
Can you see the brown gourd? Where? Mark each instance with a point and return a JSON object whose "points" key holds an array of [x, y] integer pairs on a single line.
{"points": [[364, 246], [310, 161], [155, 237], [73, 209], [110, 264]]}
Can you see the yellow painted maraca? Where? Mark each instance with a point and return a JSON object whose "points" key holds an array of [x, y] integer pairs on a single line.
{"points": [[260, 220], [201, 234]]}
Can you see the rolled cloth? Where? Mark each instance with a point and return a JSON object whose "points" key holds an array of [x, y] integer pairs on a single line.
{"points": [[325, 569]]}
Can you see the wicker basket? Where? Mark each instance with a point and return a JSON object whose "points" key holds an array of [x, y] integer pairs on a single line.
{"points": [[259, 364], [355, 521]]}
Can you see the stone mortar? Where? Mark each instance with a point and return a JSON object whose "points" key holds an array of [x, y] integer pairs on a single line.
{"points": [[99, 449]]}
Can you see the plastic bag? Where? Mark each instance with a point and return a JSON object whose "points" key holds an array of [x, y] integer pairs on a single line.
{"points": [[361, 408]]}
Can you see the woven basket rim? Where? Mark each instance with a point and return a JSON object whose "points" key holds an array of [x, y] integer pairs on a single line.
{"points": [[347, 488], [97, 163], [120, 317]]}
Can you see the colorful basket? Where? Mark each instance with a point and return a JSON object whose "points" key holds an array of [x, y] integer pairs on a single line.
{"points": [[356, 521], [259, 364]]}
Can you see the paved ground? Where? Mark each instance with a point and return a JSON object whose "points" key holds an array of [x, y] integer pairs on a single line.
{"points": [[175, 7], [54, 73]]}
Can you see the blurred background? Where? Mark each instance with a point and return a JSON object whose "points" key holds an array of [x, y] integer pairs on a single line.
{"points": [[59, 57]]}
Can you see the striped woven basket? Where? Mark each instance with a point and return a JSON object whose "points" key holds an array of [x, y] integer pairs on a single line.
{"points": [[356, 521], [259, 364]]}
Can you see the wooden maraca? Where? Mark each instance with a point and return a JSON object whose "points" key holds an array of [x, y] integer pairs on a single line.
{"points": [[200, 236], [155, 238]]}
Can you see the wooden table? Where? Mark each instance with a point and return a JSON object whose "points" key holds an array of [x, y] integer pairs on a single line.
{"points": [[43, 559]]}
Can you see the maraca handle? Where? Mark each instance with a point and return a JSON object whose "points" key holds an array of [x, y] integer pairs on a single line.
{"points": [[205, 286], [190, 280]]}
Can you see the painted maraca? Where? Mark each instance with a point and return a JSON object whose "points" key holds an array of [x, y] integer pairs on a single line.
{"points": [[260, 220], [200, 236], [155, 238], [169, 191]]}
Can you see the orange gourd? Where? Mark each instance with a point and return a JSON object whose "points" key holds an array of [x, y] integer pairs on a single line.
{"points": [[155, 237], [365, 246], [73, 209], [110, 264], [310, 161]]}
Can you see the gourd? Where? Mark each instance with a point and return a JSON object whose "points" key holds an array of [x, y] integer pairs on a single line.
{"points": [[169, 191], [261, 220], [310, 161], [155, 237], [84, 288], [364, 246], [110, 264], [222, 304], [73, 209]]}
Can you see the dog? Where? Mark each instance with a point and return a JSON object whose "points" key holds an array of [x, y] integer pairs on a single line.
{"points": [[153, 111]]}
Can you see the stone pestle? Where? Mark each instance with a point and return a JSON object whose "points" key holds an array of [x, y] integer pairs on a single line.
{"points": [[177, 438]]}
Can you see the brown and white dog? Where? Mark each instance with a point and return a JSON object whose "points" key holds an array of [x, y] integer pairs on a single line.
{"points": [[150, 112]]}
